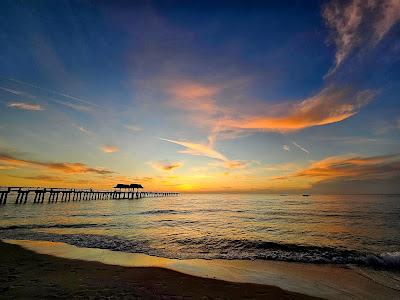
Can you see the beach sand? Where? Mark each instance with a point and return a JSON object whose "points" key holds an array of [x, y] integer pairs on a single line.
{"points": [[25, 274]]}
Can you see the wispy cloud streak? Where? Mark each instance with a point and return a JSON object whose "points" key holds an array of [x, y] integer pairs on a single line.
{"points": [[61, 99], [26, 106], [358, 23], [53, 92], [300, 147], [199, 149], [208, 150]]}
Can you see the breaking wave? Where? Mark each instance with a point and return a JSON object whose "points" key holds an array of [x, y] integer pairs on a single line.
{"points": [[212, 248]]}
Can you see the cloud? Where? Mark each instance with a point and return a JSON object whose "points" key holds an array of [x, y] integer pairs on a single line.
{"points": [[6, 167], [142, 179], [67, 100], [53, 92], [286, 147], [329, 106], [64, 167], [134, 128], [166, 165], [301, 148], [39, 178], [350, 167], [83, 129], [236, 164], [109, 149], [25, 106], [359, 23], [79, 107], [356, 140], [199, 149], [207, 107], [75, 106], [17, 93], [193, 96], [207, 150], [283, 167], [73, 168], [192, 90]]}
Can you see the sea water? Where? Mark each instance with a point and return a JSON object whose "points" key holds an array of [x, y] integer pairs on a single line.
{"points": [[359, 230]]}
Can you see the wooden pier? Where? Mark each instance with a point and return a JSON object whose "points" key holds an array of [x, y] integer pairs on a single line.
{"points": [[54, 195]]}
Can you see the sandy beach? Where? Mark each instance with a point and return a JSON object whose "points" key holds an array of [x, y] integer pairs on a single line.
{"points": [[30, 275]]}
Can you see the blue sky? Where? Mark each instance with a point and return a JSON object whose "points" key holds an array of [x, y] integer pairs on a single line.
{"points": [[286, 96]]}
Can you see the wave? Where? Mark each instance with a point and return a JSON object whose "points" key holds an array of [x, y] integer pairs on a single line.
{"points": [[177, 212], [213, 248], [34, 226], [164, 211], [387, 260]]}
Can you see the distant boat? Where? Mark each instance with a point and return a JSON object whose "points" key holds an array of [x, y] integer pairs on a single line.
{"points": [[306, 195]]}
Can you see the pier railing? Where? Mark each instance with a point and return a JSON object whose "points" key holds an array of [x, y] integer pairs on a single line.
{"points": [[54, 195]]}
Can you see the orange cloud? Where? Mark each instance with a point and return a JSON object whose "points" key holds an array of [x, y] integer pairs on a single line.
{"points": [[236, 164], [64, 167], [166, 165], [329, 106], [40, 178], [109, 149], [351, 167], [26, 106], [233, 164], [192, 90], [193, 96], [74, 168]]}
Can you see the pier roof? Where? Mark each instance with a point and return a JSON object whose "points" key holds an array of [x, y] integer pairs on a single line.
{"points": [[128, 186], [136, 186]]}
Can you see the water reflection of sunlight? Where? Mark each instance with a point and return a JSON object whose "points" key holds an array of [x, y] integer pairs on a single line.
{"points": [[168, 223]]}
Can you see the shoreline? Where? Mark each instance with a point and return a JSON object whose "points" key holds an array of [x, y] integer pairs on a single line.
{"points": [[321, 281], [27, 274]]}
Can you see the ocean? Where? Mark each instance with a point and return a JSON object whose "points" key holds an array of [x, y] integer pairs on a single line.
{"points": [[359, 230]]}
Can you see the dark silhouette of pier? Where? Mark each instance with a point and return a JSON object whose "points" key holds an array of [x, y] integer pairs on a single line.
{"points": [[54, 195]]}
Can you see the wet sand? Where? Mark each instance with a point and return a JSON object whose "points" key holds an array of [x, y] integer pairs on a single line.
{"points": [[25, 274], [324, 281]]}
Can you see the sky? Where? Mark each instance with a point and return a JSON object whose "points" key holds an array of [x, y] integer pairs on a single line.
{"points": [[201, 96]]}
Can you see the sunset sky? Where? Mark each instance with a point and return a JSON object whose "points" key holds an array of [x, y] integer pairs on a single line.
{"points": [[201, 96]]}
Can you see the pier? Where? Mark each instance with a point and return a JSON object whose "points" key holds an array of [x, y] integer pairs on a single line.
{"points": [[42, 195]]}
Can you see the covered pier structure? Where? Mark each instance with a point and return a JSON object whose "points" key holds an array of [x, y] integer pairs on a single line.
{"points": [[127, 191], [38, 195]]}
